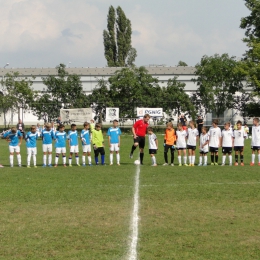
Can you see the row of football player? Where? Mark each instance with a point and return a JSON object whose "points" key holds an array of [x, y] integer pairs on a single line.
{"points": [[209, 141], [90, 133]]}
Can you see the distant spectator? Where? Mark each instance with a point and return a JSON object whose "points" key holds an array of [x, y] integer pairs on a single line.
{"points": [[39, 130], [182, 120], [20, 127], [58, 122], [199, 124], [246, 129]]}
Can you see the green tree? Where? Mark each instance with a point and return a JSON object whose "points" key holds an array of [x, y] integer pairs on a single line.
{"points": [[182, 63], [117, 39], [17, 93], [63, 91], [176, 100], [218, 79]]}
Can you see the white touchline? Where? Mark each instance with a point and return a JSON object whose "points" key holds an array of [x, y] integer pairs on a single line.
{"points": [[134, 225]]}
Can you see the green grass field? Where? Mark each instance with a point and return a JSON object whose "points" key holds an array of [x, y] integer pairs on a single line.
{"points": [[191, 213]]}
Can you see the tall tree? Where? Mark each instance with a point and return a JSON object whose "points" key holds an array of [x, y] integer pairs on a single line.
{"points": [[117, 39], [218, 80], [182, 63]]}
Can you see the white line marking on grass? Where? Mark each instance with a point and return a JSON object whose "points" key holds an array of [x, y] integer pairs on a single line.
{"points": [[135, 218], [201, 184]]}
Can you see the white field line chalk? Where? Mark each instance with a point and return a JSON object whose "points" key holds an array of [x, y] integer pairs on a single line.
{"points": [[132, 255]]}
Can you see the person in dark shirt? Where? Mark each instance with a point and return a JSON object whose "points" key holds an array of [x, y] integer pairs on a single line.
{"points": [[200, 124], [182, 120], [20, 127]]}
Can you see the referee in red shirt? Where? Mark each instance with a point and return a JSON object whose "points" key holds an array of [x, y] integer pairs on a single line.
{"points": [[139, 130]]}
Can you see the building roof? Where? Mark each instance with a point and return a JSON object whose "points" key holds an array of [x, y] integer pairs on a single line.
{"points": [[107, 71]]}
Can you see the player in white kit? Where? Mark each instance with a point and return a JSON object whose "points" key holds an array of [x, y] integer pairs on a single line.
{"points": [[227, 139], [181, 136], [239, 138], [255, 143], [204, 146], [193, 136], [153, 145]]}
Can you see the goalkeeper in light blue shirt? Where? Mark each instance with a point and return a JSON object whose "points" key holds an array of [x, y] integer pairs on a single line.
{"points": [[73, 144], [31, 139], [113, 134]]}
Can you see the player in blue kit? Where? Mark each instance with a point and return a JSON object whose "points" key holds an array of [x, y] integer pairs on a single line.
{"points": [[31, 138], [14, 137], [47, 136], [86, 144], [113, 134], [73, 144], [60, 145]]}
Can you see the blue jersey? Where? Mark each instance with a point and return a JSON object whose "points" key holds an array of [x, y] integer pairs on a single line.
{"points": [[14, 138], [47, 136], [85, 136], [114, 134], [60, 138], [73, 137], [31, 139]]}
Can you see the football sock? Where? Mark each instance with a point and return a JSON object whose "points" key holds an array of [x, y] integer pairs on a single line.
{"points": [[56, 159], [44, 159], [223, 159], [19, 159], [190, 160], [185, 159], [96, 160], [216, 158], [89, 159], [83, 159], [34, 159], [259, 158], [50, 158], [102, 158], [253, 158], [111, 158], [230, 159], [165, 157], [200, 160], [154, 160], [241, 158], [179, 159], [193, 159], [172, 157], [118, 158], [212, 158], [64, 159], [70, 161], [133, 148], [12, 160], [141, 157], [28, 159], [77, 159], [205, 159], [236, 158]]}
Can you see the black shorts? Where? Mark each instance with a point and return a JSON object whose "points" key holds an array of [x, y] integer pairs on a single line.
{"points": [[191, 147], [213, 149], [255, 148], [239, 148], [140, 140], [152, 151], [99, 150], [203, 153], [181, 148], [226, 149]]}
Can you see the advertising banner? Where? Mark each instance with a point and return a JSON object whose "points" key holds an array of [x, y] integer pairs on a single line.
{"points": [[76, 115], [112, 113], [153, 112]]}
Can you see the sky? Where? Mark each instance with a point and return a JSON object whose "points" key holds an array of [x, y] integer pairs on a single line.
{"points": [[45, 33]]}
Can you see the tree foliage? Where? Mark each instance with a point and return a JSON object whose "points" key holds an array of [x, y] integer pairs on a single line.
{"points": [[218, 80], [182, 64], [117, 39]]}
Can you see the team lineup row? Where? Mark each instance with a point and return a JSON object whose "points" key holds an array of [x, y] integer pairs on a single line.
{"points": [[180, 140]]}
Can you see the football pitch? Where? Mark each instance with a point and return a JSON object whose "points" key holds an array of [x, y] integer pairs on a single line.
{"points": [[192, 213]]}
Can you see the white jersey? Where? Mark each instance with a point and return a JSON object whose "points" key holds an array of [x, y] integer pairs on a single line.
{"points": [[152, 141], [192, 136], [203, 139], [227, 138], [214, 135], [239, 137], [181, 139], [255, 135]]}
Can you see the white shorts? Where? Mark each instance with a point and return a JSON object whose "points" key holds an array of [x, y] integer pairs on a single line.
{"points": [[47, 148], [86, 148], [61, 150], [15, 149], [74, 149], [32, 151], [114, 147]]}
